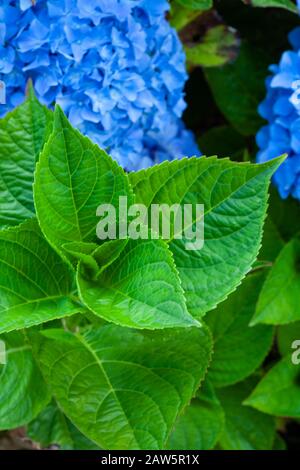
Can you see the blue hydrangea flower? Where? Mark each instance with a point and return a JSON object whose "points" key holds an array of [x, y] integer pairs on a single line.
{"points": [[116, 67], [281, 108]]}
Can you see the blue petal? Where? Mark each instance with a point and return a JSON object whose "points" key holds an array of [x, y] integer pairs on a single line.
{"points": [[283, 80], [294, 38]]}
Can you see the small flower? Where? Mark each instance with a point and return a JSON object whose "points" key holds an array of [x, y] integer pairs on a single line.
{"points": [[116, 67], [281, 108]]}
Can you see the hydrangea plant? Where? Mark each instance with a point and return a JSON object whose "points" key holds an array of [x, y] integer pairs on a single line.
{"points": [[137, 342], [116, 68], [109, 335]]}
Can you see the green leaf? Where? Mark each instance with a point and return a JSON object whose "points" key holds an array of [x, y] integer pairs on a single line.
{"points": [[200, 426], [23, 392], [35, 286], [23, 133], [122, 388], [278, 393], [238, 88], [217, 47], [72, 179], [235, 200], [286, 4], [141, 289], [278, 302], [196, 4], [286, 335], [245, 428], [238, 349], [52, 427]]}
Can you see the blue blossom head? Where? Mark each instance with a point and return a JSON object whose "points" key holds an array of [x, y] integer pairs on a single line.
{"points": [[116, 67], [281, 108]]}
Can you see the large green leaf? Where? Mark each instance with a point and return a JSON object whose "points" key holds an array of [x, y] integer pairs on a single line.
{"points": [[23, 392], [278, 393], [23, 133], [73, 178], [35, 286], [286, 4], [238, 349], [279, 443], [200, 426], [235, 200], [245, 428], [141, 289], [238, 88], [123, 388], [278, 302], [52, 427]]}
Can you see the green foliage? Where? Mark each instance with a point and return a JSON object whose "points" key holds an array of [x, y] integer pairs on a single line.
{"points": [[201, 424], [272, 242], [23, 392], [223, 141], [279, 391], [35, 285], [286, 335], [100, 376], [279, 443], [117, 344], [278, 302], [22, 136], [216, 48], [196, 4], [206, 4], [235, 201], [123, 293], [238, 88], [52, 427]]}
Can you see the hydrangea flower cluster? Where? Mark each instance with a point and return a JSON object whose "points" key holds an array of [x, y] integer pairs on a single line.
{"points": [[281, 109], [116, 67]]}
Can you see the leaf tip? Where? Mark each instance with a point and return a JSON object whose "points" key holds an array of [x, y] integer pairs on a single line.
{"points": [[248, 401], [254, 321], [195, 323], [59, 117], [30, 93], [276, 162]]}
